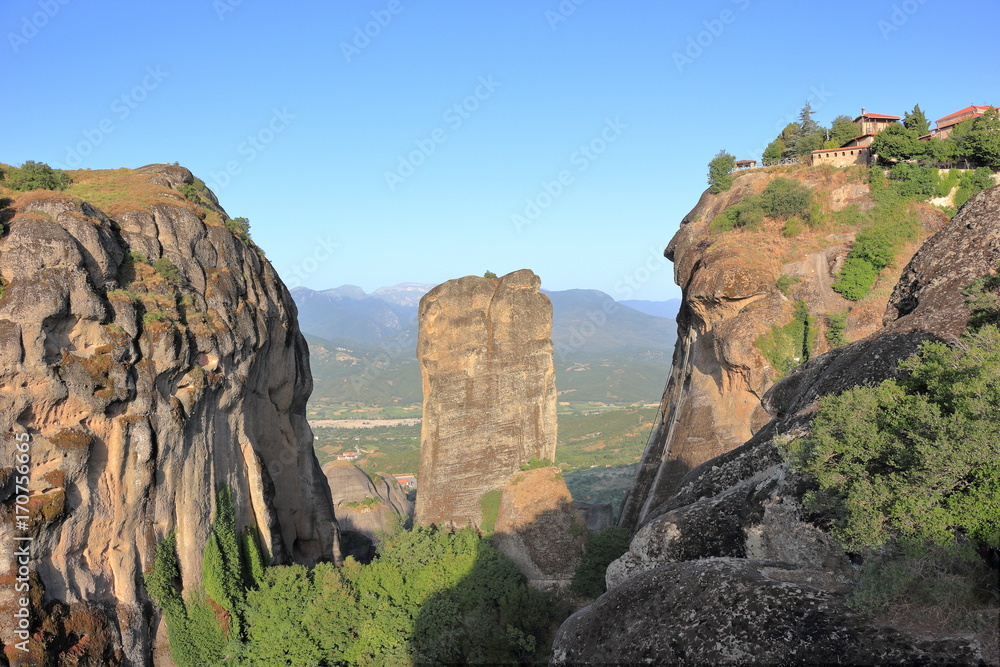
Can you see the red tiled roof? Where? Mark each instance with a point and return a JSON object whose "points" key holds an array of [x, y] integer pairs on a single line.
{"points": [[877, 115], [974, 108]]}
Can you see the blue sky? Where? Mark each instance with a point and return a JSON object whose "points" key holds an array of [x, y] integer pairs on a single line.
{"points": [[377, 142]]}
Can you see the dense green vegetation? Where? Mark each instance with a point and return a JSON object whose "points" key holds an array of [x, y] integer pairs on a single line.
{"points": [[430, 596], [719, 177], [787, 346], [892, 223], [975, 140], [908, 470], [784, 198], [836, 324], [34, 176], [602, 548]]}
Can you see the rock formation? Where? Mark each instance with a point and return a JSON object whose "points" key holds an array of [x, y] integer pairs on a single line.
{"points": [[539, 528], [712, 402], [729, 569], [364, 507], [489, 391], [152, 355]]}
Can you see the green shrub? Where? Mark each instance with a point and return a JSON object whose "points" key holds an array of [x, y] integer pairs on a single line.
{"points": [[946, 182], [490, 274], [749, 213], [875, 246], [913, 181], [239, 226], [490, 506], [154, 316], [35, 176], [785, 283], [536, 463], [720, 177], [784, 198], [972, 183], [168, 271], [785, 347], [602, 548], [793, 227], [915, 460], [953, 581], [836, 324]]}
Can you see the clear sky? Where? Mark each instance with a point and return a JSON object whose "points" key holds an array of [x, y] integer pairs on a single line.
{"points": [[386, 141]]}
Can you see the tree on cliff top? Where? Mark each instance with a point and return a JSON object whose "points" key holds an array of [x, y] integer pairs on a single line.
{"points": [[916, 121], [720, 177], [35, 176], [982, 142]]}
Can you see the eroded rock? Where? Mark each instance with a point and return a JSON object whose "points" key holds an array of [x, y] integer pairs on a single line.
{"points": [[485, 354]]}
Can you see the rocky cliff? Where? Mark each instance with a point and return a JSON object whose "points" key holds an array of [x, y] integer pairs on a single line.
{"points": [[365, 507], [151, 355], [539, 527], [731, 568], [489, 391], [731, 297]]}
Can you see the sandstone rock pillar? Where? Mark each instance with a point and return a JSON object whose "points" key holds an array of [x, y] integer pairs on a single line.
{"points": [[485, 354]]}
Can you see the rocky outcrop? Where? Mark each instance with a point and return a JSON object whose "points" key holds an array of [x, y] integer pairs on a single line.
{"points": [[729, 568], [725, 611], [489, 391], [713, 399], [151, 355], [365, 507], [539, 528]]}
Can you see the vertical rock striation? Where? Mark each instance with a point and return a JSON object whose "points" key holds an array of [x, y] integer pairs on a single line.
{"points": [[152, 355], [489, 391]]}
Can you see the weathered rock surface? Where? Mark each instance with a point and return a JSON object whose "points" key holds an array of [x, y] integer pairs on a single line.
{"points": [[729, 568], [539, 528], [722, 611], [364, 507], [713, 399], [142, 393], [489, 391]]}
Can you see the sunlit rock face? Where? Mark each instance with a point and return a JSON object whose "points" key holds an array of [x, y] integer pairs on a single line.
{"points": [[485, 354], [143, 390]]}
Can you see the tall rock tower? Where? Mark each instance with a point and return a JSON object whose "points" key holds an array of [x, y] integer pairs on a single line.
{"points": [[485, 353]]}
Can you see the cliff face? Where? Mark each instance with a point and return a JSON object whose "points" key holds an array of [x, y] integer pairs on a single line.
{"points": [[712, 402], [365, 507], [539, 527], [489, 391], [729, 568], [143, 389]]}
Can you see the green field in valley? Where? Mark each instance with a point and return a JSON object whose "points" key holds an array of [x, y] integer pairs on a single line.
{"points": [[599, 446]]}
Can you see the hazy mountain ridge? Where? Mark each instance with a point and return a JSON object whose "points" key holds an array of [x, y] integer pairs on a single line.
{"points": [[363, 346]]}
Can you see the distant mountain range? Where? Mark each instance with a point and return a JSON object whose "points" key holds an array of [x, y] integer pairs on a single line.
{"points": [[668, 308], [363, 346]]}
